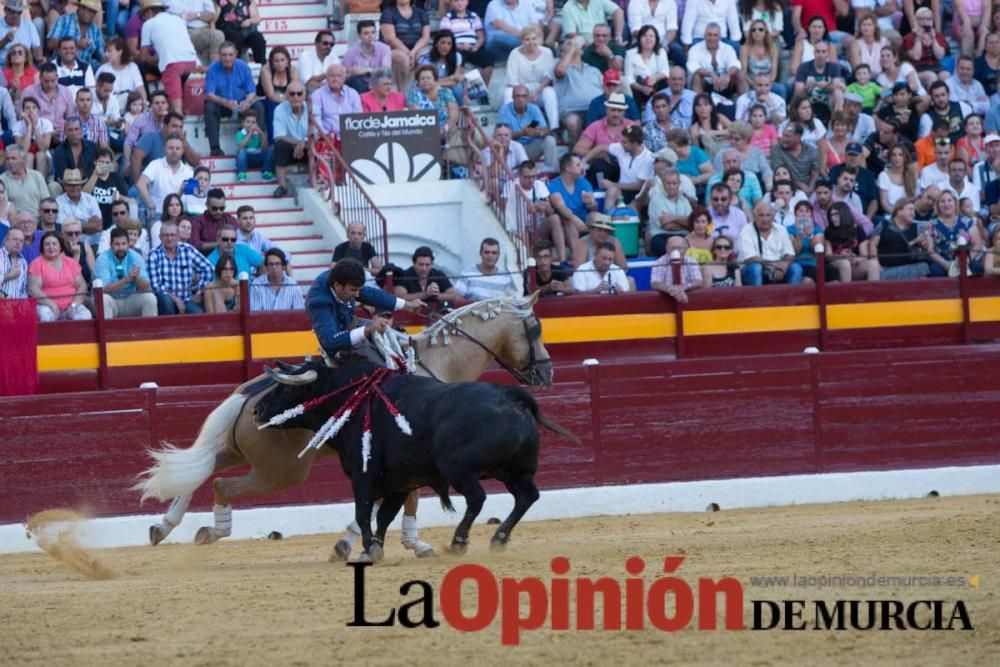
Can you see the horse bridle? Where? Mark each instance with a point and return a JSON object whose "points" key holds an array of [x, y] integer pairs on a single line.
{"points": [[527, 375]]}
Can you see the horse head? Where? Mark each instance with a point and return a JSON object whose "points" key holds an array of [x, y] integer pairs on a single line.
{"points": [[464, 342]]}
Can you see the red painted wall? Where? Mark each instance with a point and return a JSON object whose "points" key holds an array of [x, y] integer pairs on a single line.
{"points": [[653, 422]]}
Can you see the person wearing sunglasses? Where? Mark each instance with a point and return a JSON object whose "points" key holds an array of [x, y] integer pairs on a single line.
{"points": [[722, 271], [248, 260], [205, 228], [314, 62], [15, 30], [291, 130]]}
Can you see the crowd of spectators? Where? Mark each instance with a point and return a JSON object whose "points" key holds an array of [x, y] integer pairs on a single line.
{"points": [[742, 133]]}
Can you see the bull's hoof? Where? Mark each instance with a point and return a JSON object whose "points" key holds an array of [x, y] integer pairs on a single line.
{"points": [[421, 549], [341, 551], [497, 546], [208, 535], [157, 533], [458, 548]]}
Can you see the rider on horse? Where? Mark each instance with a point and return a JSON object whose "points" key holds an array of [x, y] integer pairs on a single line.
{"points": [[331, 304]]}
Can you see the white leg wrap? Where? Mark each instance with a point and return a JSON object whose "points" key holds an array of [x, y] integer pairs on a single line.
{"points": [[409, 529], [176, 511], [223, 518]]}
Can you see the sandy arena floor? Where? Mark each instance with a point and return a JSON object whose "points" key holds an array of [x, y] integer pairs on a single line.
{"points": [[281, 602]]}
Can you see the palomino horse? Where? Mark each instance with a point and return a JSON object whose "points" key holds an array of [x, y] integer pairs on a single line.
{"points": [[458, 347]]}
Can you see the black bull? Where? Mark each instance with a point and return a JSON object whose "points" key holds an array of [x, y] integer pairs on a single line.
{"points": [[462, 432]]}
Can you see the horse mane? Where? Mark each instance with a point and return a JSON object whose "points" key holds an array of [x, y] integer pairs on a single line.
{"points": [[519, 306]]}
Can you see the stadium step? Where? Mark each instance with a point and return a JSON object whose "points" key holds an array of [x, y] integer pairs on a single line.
{"points": [[291, 9], [293, 24]]}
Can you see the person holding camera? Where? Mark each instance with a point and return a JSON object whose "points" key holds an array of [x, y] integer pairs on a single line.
{"points": [[105, 184], [926, 47], [126, 283]]}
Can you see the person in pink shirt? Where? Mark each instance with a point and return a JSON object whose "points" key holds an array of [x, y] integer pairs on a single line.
{"points": [[382, 97], [599, 135], [764, 133], [56, 281]]}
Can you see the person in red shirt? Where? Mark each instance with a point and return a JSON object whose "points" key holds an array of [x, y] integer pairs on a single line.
{"points": [[803, 11], [926, 47]]}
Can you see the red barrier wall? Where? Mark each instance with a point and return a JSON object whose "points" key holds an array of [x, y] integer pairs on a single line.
{"points": [[671, 421]]}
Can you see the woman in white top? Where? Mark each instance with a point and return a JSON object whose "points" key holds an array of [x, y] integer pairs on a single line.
{"points": [[531, 65], [699, 13], [867, 48], [646, 66], [813, 130], [897, 180], [127, 75], [893, 72], [661, 14], [33, 133]]}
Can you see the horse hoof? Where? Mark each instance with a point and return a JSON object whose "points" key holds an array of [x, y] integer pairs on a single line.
{"points": [[157, 533], [496, 546], [341, 551], [363, 557], [421, 549], [376, 553], [458, 548], [206, 535]]}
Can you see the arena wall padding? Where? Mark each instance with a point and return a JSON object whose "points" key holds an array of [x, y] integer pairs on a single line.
{"points": [[685, 420]]}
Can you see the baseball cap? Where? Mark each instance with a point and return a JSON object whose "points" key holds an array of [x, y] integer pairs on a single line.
{"points": [[900, 85], [612, 76], [854, 97], [990, 138], [666, 154], [853, 148]]}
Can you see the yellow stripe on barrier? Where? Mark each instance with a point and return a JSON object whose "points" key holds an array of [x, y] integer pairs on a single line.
{"points": [[894, 314], [750, 320], [68, 357], [284, 344], [175, 351], [608, 327], [984, 309]]}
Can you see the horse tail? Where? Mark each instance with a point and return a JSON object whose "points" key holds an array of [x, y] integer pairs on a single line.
{"points": [[522, 396], [179, 472], [442, 491]]}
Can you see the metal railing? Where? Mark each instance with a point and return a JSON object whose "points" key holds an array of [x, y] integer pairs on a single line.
{"points": [[333, 178], [500, 186]]}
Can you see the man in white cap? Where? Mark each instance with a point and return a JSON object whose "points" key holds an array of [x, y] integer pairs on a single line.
{"points": [[15, 30], [598, 137], [864, 124], [987, 171]]}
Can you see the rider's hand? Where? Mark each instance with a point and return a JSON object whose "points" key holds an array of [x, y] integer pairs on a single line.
{"points": [[415, 304]]}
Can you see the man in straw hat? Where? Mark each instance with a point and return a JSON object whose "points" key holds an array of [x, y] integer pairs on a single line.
{"points": [[14, 30], [167, 35], [77, 204], [599, 135], [81, 27], [599, 228]]}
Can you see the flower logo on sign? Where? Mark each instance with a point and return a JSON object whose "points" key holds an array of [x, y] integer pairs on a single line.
{"points": [[393, 164]]}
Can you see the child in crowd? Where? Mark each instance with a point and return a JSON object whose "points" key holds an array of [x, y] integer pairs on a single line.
{"points": [[764, 134], [135, 106], [252, 149], [865, 87]]}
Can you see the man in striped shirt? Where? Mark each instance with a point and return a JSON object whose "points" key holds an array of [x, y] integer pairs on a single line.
{"points": [[275, 290], [483, 281], [13, 268], [172, 267]]}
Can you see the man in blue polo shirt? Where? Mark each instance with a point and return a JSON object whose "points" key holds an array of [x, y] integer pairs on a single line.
{"points": [[229, 91], [527, 122]]}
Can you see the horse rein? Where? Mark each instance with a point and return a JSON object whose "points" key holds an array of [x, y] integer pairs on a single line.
{"points": [[526, 376]]}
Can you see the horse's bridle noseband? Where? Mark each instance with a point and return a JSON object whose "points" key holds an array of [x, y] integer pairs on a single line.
{"points": [[527, 375]]}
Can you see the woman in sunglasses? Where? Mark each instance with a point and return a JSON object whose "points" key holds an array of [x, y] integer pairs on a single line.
{"points": [[722, 271]]}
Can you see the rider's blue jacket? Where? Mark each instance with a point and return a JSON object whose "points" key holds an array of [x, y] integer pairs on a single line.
{"points": [[332, 319]]}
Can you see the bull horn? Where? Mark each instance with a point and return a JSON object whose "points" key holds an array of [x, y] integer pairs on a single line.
{"points": [[283, 378]]}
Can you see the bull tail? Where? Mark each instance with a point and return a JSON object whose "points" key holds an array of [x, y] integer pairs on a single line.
{"points": [[523, 397], [179, 472]]}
